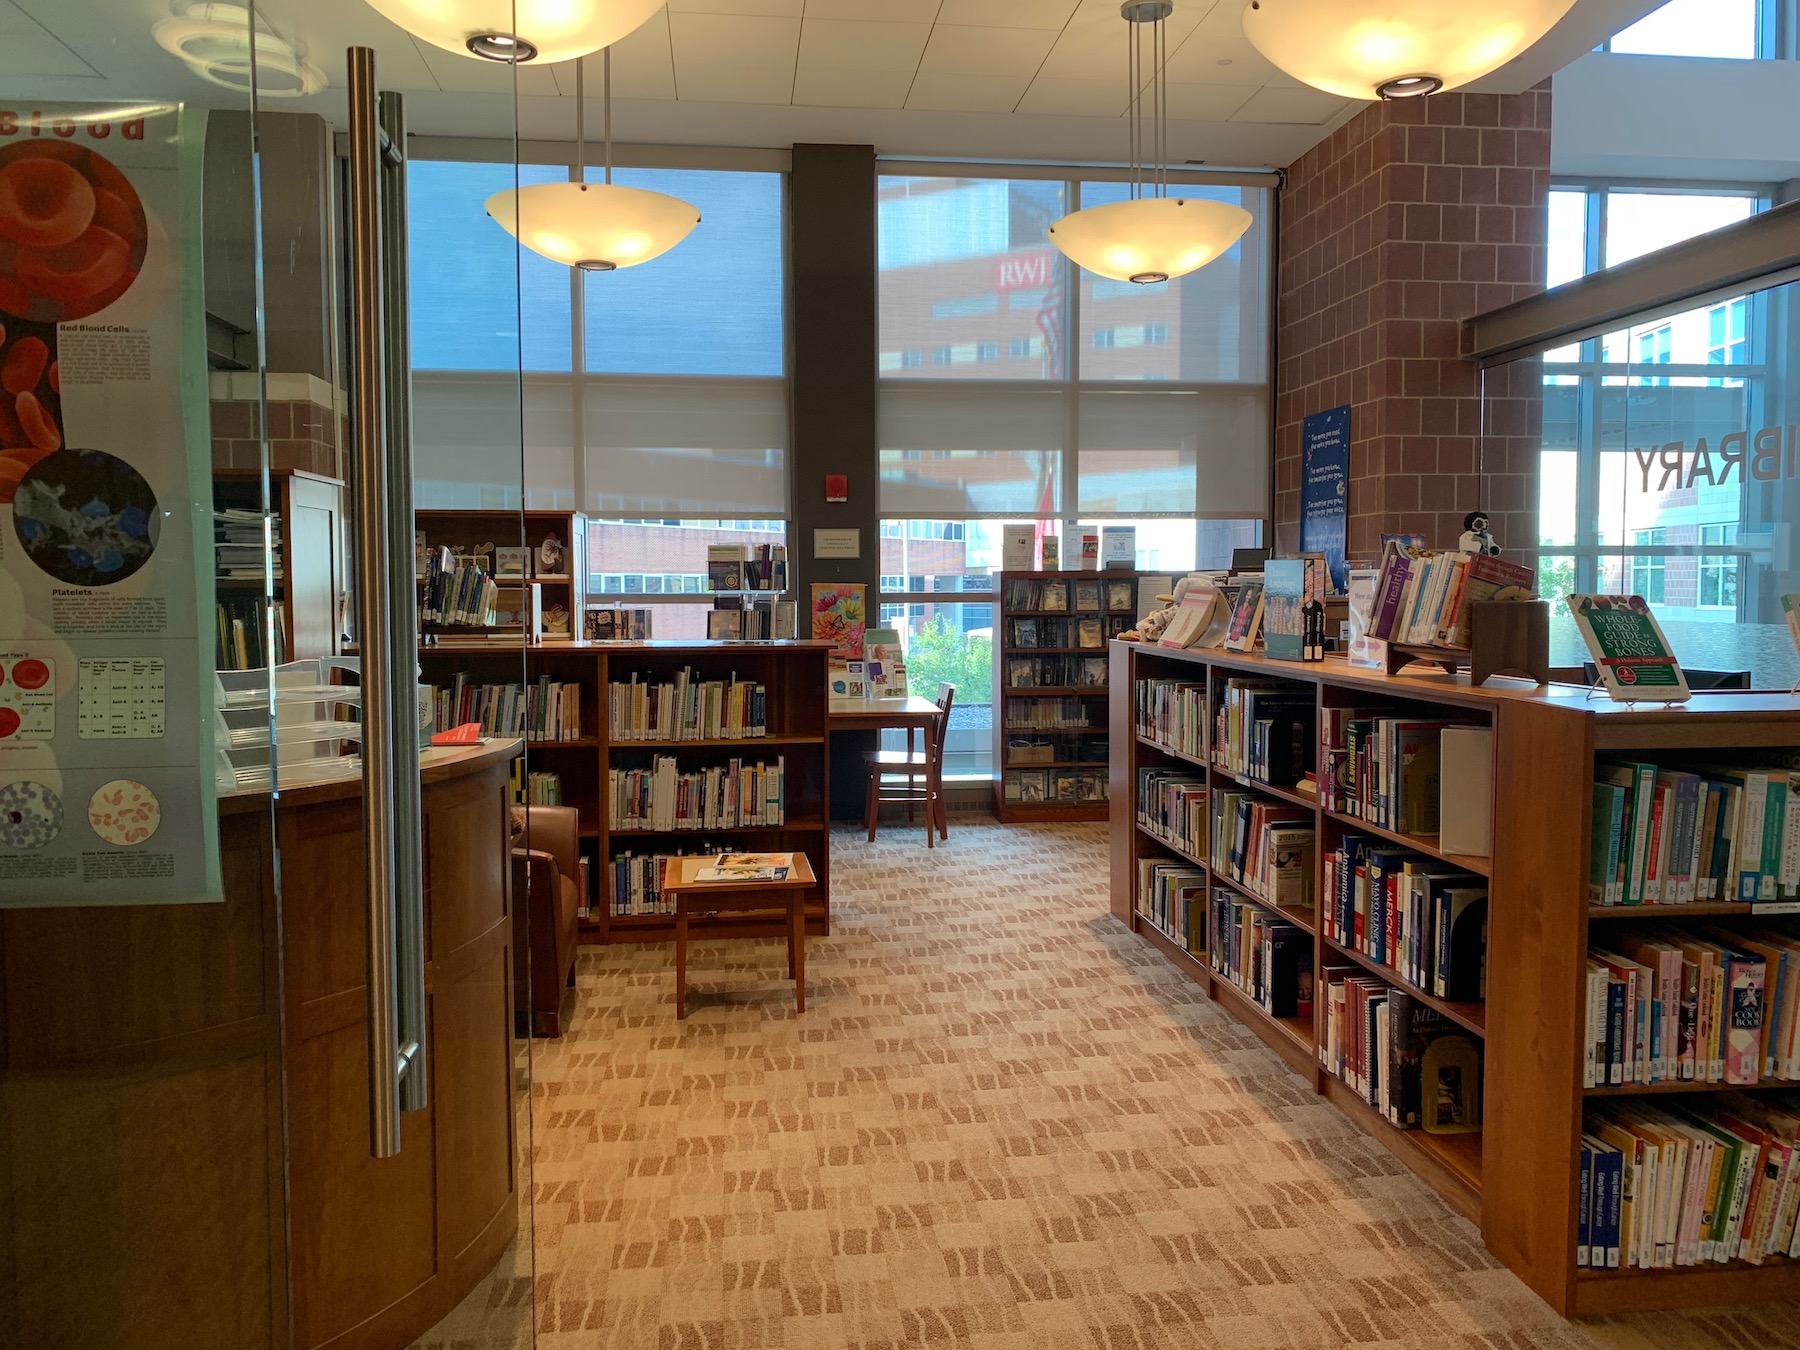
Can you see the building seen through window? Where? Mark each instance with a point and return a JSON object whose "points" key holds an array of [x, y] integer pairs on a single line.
{"points": [[1665, 465]]}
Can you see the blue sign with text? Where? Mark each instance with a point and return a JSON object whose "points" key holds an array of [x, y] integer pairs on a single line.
{"points": [[1325, 488]]}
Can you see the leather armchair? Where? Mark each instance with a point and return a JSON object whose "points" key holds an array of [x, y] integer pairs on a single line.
{"points": [[546, 890]]}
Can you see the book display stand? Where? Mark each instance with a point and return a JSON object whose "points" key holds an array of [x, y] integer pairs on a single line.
{"points": [[1506, 637], [1518, 1175]]}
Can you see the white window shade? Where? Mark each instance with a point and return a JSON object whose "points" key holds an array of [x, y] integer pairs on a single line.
{"points": [[1201, 452], [466, 440], [685, 448], [951, 451]]}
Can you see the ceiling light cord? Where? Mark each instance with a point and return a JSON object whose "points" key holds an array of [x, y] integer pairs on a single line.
{"points": [[606, 106], [580, 121]]}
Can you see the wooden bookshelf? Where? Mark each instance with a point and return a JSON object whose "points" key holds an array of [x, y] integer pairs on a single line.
{"points": [[461, 531], [1026, 788], [1518, 1177], [308, 512], [794, 674]]}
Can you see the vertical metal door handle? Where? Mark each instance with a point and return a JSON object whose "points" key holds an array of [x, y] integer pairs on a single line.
{"points": [[373, 602], [403, 618]]}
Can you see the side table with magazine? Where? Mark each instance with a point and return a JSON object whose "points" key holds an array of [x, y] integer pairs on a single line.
{"points": [[768, 889]]}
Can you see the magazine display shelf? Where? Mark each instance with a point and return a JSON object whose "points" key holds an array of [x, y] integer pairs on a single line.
{"points": [[1073, 751], [1518, 1178]]}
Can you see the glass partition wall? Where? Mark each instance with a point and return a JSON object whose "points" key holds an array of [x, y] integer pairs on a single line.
{"points": [[1660, 459], [262, 1083]]}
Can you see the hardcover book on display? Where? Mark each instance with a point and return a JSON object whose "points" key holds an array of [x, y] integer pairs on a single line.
{"points": [[1629, 648], [1284, 604], [1246, 616]]}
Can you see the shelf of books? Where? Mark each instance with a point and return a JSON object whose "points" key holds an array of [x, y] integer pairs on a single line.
{"points": [[284, 609], [1050, 680], [500, 576], [664, 749], [1576, 1017]]}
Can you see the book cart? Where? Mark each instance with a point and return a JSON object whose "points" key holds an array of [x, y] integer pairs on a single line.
{"points": [[1050, 673], [794, 677], [1518, 1177]]}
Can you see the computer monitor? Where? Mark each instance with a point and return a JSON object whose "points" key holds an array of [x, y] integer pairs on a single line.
{"points": [[1248, 559]]}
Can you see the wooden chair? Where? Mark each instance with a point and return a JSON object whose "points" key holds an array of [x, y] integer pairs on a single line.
{"points": [[894, 776]]}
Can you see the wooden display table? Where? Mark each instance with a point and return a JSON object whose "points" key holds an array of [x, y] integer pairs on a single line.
{"points": [[740, 897]]}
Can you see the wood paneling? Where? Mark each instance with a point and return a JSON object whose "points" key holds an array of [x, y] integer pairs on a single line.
{"points": [[142, 1133]]}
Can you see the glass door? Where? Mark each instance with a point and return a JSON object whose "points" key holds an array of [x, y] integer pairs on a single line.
{"points": [[264, 968]]}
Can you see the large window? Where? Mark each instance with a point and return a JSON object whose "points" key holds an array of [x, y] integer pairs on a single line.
{"points": [[1661, 452], [677, 416], [1741, 29], [1016, 388], [1014, 385]]}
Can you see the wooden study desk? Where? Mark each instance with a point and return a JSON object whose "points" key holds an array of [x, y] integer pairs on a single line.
{"points": [[911, 713], [740, 897]]}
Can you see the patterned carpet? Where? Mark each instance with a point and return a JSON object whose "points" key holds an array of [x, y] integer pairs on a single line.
{"points": [[1003, 1123]]}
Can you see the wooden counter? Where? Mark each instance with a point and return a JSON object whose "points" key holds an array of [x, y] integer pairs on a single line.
{"points": [[141, 1092]]}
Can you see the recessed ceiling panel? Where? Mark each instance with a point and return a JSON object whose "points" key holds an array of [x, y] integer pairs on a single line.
{"points": [[830, 87], [987, 52], [1310, 106], [733, 82], [851, 44], [966, 93], [725, 39], [1076, 98]]}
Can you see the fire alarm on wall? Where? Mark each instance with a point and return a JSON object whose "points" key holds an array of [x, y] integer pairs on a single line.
{"points": [[837, 487]]}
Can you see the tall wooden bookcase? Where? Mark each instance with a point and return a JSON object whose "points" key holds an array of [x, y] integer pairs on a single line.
{"points": [[464, 530], [309, 520], [1519, 1177], [794, 674], [1050, 734]]}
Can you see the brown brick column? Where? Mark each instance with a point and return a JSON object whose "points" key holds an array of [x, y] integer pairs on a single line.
{"points": [[1409, 219]]}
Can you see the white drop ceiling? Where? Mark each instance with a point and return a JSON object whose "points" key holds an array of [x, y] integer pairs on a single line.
{"points": [[1009, 79]]}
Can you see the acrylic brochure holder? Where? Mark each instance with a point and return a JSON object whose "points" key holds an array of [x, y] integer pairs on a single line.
{"points": [[310, 735]]}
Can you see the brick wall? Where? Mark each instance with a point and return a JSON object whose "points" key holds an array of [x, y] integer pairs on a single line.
{"points": [[1414, 216]]}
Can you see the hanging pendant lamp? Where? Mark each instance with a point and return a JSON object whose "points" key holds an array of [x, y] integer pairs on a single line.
{"points": [[1151, 236], [519, 30], [1375, 49], [598, 227]]}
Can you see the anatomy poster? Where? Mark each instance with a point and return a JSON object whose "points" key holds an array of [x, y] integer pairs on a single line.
{"points": [[106, 777]]}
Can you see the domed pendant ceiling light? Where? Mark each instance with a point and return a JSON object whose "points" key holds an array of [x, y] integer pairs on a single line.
{"points": [[1374, 49], [596, 227], [519, 30], [1151, 236]]}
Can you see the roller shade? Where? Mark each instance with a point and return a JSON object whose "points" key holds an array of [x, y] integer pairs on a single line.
{"points": [[685, 448], [959, 451], [1200, 452], [655, 448]]}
